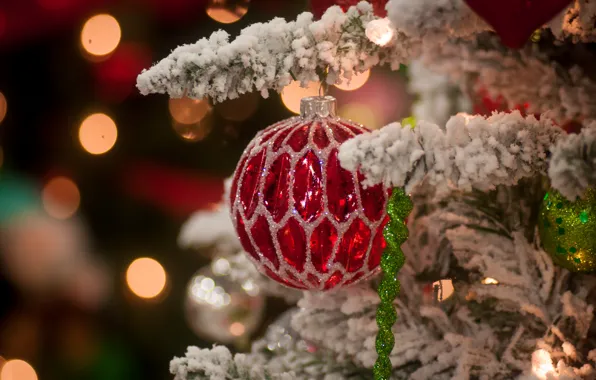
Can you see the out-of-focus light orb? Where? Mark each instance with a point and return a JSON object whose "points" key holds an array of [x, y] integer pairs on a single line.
{"points": [[227, 11], [237, 329], [443, 289], [490, 281], [17, 370], [100, 35], [98, 133], [146, 277], [239, 109], [220, 267], [542, 364], [196, 131], [357, 81], [188, 111], [360, 113], [61, 197], [3, 107], [380, 31], [292, 94]]}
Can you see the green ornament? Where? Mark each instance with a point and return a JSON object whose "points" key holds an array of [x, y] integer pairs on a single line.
{"points": [[568, 230], [395, 233]]}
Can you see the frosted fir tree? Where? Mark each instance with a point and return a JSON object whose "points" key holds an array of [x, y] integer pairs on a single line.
{"points": [[504, 203]]}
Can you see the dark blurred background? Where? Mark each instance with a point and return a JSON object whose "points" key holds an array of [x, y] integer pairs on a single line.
{"points": [[96, 180]]}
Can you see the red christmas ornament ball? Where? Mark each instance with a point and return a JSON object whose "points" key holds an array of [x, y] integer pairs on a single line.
{"points": [[304, 220], [318, 7], [516, 20]]}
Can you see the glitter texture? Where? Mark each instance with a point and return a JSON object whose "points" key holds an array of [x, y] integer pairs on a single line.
{"points": [[304, 220], [396, 233], [568, 230]]}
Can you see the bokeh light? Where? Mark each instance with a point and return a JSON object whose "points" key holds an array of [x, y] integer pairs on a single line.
{"points": [[146, 277], [380, 31], [17, 370], [227, 11], [98, 133], [490, 281], [360, 113], [237, 329], [61, 197], [189, 111], [443, 289], [100, 35], [357, 81], [292, 94], [3, 107], [239, 109]]}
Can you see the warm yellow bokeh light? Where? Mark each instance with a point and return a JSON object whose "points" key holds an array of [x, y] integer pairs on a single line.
{"points": [[61, 197], [17, 370], [360, 113], [357, 81], [189, 111], [98, 133], [490, 281], [293, 93], [227, 11], [443, 289], [3, 107], [100, 35], [146, 277], [237, 329]]}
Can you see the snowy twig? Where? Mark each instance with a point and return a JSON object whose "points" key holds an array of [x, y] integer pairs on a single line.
{"points": [[469, 153], [573, 164]]}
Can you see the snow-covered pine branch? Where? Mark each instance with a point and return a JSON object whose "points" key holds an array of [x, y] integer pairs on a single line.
{"points": [[526, 77], [470, 152], [573, 163], [268, 56]]}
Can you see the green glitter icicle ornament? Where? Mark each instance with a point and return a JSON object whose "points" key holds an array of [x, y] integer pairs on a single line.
{"points": [[396, 233], [568, 230]]}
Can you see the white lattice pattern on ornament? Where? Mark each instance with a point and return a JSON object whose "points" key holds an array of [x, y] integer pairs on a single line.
{"points": [[305, 221]]}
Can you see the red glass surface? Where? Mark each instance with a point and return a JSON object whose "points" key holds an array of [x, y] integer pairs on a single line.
{"points": [[354, 279], [299, 138], [244, 239], [333, 280], [249, 195], [340, 134], [237, 175], [321, 245], [353, 246], [373, 200], [292, 242], [279, 140], [374, 259], [308, 187], [262, 237], [340, 189], [275, 191], [319, 136]]}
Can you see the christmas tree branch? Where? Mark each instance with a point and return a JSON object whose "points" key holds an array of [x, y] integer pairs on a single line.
{"points": [[471, 152]]}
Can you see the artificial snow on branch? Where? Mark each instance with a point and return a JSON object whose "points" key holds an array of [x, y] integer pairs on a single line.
{"points": [[573, 163], [268, 56], [528, 77], [471, 152]]}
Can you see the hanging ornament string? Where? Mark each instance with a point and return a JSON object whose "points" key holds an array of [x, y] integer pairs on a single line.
{"points": [[396, 233]]}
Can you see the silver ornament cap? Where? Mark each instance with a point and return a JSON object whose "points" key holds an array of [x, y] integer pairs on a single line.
{"points": [[318, 107]]}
